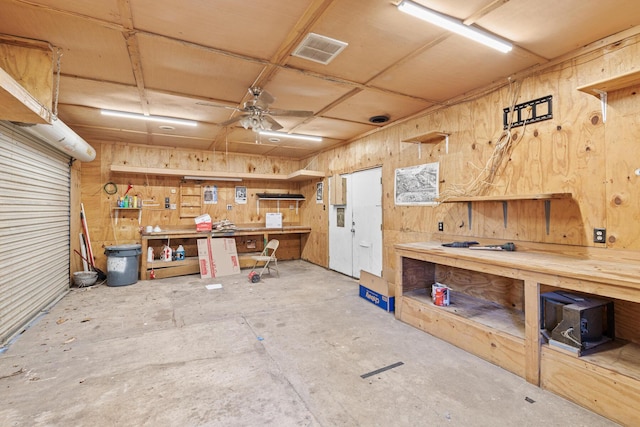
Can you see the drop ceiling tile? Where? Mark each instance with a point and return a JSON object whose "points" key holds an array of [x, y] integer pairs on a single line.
{"points": [[452, 68], [370, 102], [253, 28]]}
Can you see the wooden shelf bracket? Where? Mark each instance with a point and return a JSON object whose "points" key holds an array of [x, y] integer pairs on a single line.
{"points": [[505, 199], [117, 213]]}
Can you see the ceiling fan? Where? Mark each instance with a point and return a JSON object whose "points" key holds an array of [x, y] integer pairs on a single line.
{"points": [[256, 114]]}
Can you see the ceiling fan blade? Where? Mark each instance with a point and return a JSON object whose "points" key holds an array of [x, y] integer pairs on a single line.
{"points": [[274, 125], [264, 99], [232, 120], [291, 113], [211, 104]]}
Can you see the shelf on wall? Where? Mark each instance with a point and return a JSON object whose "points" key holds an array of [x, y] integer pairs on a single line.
{"points": [[610, 84], [600, 88], [117, 210], [546, 197], [274, 196], [299, 175], [433, 136], [506, 198]]}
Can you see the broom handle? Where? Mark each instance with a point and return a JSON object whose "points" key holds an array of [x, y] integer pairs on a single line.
{"points": [[85, 228]]}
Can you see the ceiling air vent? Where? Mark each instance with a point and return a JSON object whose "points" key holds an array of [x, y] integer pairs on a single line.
{"points": [[319, 48]]}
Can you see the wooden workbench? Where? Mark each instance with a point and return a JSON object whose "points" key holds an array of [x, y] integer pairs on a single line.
{"points": [[495, 314], [249, 241]]}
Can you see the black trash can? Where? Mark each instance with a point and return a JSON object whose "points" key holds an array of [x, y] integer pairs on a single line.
{"points": [[122, 264]]}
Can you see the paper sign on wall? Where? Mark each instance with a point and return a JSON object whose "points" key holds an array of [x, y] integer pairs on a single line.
{"points": [[273, 220]]}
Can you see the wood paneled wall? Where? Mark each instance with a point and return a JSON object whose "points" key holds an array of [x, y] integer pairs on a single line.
{"points": [[575, 152], [154, 189]]}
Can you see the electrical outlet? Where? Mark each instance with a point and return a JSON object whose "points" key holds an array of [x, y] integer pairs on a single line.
{"points": [[441, 226], [599, 235], [167, 203], [229, 207]]}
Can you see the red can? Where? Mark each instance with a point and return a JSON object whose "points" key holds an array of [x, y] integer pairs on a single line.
{"points": [[440, 295]]}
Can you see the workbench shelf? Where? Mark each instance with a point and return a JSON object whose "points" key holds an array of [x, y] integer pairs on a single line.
{"points": [[484, 312], [249, 241], [495, 313], [163, 269]]}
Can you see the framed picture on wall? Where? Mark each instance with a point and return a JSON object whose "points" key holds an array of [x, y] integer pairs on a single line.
{"points": [[319, 192], [417, 185], [241, 195], [211, 195]]}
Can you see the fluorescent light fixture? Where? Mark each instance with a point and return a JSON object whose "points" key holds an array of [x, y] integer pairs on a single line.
{"points": [[454, 25], [211, 178], [291, 135], [159, 119]]}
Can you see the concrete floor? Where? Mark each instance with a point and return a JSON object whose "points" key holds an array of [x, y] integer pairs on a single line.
{"points": [[287, 351]]}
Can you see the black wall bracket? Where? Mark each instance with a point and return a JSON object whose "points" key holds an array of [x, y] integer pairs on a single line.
{"points": [[540, 109]]}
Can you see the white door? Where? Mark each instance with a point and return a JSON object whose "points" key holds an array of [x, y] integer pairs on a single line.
{"points": [[340, 236], [366, 222], [355, 229]]}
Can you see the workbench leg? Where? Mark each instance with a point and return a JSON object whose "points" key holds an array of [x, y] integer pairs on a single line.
{"points": [[532, 331], [143, 259], [399, 287]]}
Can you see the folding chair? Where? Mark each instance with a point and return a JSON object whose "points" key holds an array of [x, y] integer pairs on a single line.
{"points": [[267, 257]]}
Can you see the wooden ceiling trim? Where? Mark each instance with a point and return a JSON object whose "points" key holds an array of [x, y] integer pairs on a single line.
{"points": [[101, 22], [24, 42], [495, 4], [313, 13], [149, 89], [124, 7], [299, 31], [136, 68], [328, 107], [339, 80]]}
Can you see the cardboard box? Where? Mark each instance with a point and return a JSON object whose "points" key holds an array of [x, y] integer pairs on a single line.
{"points": [[378, 290], [203, 222], [218, 257], [273, 220]]}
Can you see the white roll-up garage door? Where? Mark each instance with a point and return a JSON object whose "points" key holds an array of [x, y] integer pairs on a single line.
{"points": [[34, 227]]}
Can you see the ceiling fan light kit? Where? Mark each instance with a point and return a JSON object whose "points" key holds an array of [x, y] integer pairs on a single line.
{"points": [[454, 25], [149, 118], [256, 114]]}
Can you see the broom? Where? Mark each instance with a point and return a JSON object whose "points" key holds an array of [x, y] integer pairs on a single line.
{"points": [[101, 275]]}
